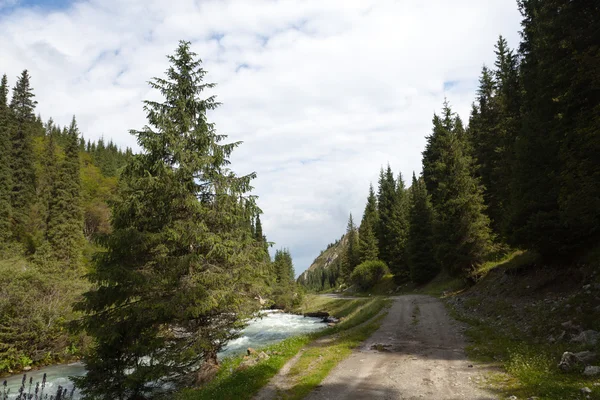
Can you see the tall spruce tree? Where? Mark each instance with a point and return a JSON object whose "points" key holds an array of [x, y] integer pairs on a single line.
{"points": [[368, 246], [493, 128], [178, 275], [65, 216], [23, 119], [462, 232], [398, 231], [284, 267], [5, 167], [420, 244], [386, 204], [351, 257]]}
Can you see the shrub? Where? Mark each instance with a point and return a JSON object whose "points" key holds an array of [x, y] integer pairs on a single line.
{"points": [[367, 274]]}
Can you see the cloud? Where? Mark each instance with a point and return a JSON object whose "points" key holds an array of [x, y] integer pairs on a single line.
{"points": [[322, 93]]}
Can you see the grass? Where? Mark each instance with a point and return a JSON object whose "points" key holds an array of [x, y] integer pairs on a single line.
{"points": [[510, 316], [317, 361], [231, 383]]}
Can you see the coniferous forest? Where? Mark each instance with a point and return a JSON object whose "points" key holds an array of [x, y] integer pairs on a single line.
{"points": [[145, 264], [523, 173]]}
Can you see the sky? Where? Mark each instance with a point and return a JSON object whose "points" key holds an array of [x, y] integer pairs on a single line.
{"points": [[322, 93]]}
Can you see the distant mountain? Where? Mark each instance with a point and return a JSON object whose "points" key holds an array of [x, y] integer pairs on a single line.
{"points": [[324, 272]]}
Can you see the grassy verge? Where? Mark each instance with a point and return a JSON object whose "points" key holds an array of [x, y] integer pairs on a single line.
{"points": [[231, 383], [515, 314], [317, 361]]}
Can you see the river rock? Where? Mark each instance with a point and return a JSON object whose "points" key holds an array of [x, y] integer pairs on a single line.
{"points": [[331, 320], [251, 351], [588, 337], [246, 364], [318, 314], [263, 356], [586, 390], [591, 370]]}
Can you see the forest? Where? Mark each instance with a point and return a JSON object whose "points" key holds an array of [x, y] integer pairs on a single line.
{"points": [[523, 173]]}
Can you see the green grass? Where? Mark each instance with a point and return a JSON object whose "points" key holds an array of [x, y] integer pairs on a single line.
{"points": [[508, 327], [317, 361], [244, 384]]}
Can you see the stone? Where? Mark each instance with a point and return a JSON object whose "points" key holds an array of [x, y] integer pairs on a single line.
{"points": [[586, 390], [591, 370], [251, 351], [569, 360], [263, 356], [588, 337], [513, 398], [247, 364], [28, 368], [318, 314]]}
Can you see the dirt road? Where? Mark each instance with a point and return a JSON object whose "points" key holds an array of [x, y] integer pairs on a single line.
{"points": [[417, 353]]}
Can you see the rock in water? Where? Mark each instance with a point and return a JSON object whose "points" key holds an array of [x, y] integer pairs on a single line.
{"points": [[318, 314]]}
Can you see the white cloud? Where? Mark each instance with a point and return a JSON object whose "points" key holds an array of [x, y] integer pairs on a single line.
{"points": [[322, 92]]}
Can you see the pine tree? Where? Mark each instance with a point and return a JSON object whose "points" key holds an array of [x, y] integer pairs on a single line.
{"points": [[284, 267], [65, 216], [462, 232], [386, 204], [556, 197], [5, 166], [178, 276], [493, 129], [22, 167], [398, 231], [351, 257], [420, 244], [368, 246]]}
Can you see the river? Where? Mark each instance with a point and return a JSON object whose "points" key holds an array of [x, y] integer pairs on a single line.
{"points": [[271, 328]]}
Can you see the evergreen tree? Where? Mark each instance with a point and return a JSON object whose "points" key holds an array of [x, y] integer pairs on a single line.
{"points": [[398, 231], [351, 258], [492, 130], [420, 244], [462, 232], [284, 267], [24, 179], [258, 232], [5, 166], [65, 216], [368, 246], [178, 275], [556, 196], [386, 204]]}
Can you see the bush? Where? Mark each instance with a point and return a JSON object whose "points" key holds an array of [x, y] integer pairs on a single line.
{"points": [[367, 274]]}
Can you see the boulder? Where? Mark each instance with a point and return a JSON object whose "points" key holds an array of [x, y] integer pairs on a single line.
{"points": [[588, 337], [251, 351], [263, 356], [246, 364], [570, 360], [591, 370]]}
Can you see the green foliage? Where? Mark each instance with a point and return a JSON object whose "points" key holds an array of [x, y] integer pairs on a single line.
{"points": [[462, 232], [351, 257], [35, 304], [556, 196], [22, 127], [65, 217], [420, 245], [179, 272], [5, 167], [367, 274], [368, 245]]}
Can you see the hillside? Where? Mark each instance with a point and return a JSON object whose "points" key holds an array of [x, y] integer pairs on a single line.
{"points": [[325, 269]]}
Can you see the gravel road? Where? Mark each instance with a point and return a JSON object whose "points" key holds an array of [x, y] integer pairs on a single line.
{"points": [[417, 353]]}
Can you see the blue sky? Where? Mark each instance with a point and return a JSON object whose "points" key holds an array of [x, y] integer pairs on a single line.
{"points": [[323, 93]]}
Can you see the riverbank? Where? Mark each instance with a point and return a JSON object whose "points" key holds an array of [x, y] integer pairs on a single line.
{"points": [[237, 380]]}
